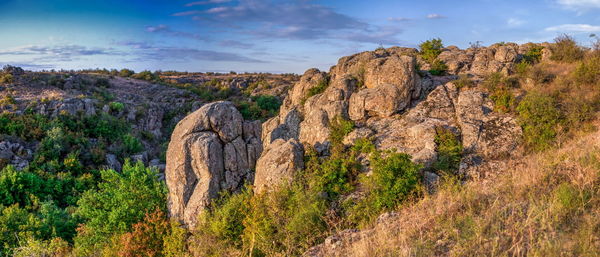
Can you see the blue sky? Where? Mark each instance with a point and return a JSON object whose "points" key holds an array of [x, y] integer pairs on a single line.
{"points": [[265, 35]]}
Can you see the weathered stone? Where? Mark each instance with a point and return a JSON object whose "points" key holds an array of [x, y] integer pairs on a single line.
{"points": [[112, 162], [209, 152], [278, 164]]}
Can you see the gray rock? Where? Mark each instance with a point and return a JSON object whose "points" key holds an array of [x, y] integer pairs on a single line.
{"points": [[112, 162], [211, 150], [278, 165]]}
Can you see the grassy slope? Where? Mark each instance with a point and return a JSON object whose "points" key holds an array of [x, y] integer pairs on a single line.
{"points": [[547, 204]]}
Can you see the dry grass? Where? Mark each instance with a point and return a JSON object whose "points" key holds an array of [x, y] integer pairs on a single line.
{"points": [[547, 204]]}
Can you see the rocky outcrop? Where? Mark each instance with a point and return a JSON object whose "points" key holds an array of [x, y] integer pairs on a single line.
{"points": [[278, 165], [383, 93], [15, 154], [211, 150], [482, 60]]}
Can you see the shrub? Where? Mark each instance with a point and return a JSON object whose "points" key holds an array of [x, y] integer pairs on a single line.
{"points": [[430, 49], [588, 71], [449, 150], [504, 100], [538, 116], [565, 49], [533, 54], [499, 87], [225, 219], [338, 129], [126, 73], [317, 89], [147, 75], [16, 224], [116, 106], [522, 67], [463, 81], [131, 144], [8, 100], [249, 110], [395, 179], [149, 237], [268, 103], [22, 188], [122, 199], [438, 68], [6, 78]]}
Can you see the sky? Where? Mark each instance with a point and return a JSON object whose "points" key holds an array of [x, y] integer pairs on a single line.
{"points": [[265, 35]]}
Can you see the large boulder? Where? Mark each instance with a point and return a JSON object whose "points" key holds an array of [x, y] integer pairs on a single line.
{"points": [[278, 165], [211, 150]]}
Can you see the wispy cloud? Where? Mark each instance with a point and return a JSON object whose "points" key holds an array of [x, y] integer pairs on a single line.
{"points": [[29, 66], [207, 2], [298, 20], [398, 19], [164, 29], [186, 13], [515, 22], [235, 44], [577, 28], [435, 16], [579, 5], [59, 52], [189, 54]]}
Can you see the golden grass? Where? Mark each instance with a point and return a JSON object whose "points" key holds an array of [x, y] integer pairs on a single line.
{"points": [[546, 204]]}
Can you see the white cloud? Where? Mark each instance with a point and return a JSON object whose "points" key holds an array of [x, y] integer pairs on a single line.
{"points": [[581, 28], [398, 19], [207, 2], [514, 22], [579, 4], [435, 16], [217, 10]]}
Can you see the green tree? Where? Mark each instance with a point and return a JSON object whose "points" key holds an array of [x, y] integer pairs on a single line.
{"points": [[121, 200]]}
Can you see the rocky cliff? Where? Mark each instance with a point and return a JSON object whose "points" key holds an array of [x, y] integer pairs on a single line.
{"points": [[386, 93]]}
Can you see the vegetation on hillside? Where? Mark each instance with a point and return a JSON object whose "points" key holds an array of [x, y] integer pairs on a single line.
{"points": [[64, 203]]}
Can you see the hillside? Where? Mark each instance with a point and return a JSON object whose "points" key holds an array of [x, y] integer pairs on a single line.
{"points": [[436, 151]]}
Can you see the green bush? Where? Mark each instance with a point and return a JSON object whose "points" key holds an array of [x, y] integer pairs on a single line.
{"points": [[268, 103], [533, 55], [394, 180], [438, 68], [449, 150], [504, 100], [146, 75], [126, 73], [522, 67], [122, 199], [22, 188], [538, 115], [566, 49], [430, 49], [224, 221], [116, 106], [16, 224], [6, 78], [588, 71], [132, 144], [338, 129], [317, 89]]}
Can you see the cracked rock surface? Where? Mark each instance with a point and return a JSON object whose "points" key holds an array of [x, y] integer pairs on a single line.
{"points": [[211, 150]]}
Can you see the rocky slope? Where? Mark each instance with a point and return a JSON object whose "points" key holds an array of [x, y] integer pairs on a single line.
{"points": [[151, 109], [384, 93]]}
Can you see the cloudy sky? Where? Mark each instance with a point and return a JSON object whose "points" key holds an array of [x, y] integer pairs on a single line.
{"points": [[265, 35]]}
